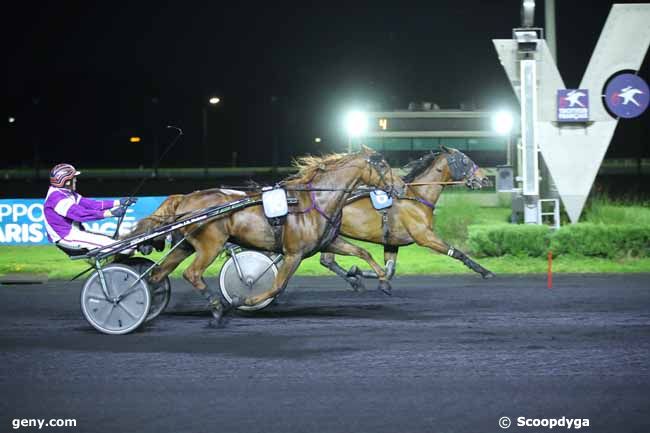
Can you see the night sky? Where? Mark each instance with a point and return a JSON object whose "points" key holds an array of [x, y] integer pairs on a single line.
{"points": [[84, 76]]}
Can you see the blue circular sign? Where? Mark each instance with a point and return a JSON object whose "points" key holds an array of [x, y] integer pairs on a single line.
{"points": [[627, 95]]}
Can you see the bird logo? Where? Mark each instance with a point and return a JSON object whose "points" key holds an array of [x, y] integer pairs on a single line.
{"points": [[627, 94], [573, 98]]}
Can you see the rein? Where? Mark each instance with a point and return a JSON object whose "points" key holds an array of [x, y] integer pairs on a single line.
{"points": [[309, 188], [457, 182], [257, 188]]}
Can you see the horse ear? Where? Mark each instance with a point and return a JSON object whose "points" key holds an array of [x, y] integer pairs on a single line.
{"points": [[366, 150], [444, 148]]}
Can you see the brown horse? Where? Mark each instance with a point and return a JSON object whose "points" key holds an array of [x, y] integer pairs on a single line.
{"points": [[410, 219], [321, 186]]}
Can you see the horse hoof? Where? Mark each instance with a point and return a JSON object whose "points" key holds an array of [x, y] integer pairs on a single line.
{"points": [[217, 313], [357, 284], [353, 271], [215, 324], [218, 323], [487, 275], [385, 287]]}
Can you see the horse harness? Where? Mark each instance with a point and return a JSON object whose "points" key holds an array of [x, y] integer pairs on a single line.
{"points": [[460, 168], [333, 223], [385, 217]]}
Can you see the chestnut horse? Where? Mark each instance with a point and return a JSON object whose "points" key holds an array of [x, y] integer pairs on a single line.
{"points": [[321, 186], [410, 219]]}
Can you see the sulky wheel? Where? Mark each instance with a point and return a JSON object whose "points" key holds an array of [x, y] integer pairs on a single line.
{"points": [[125, 305], [254, 266], [160, 293]]}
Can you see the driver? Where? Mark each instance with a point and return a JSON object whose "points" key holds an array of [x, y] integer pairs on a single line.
{"points": [[65, 209]]}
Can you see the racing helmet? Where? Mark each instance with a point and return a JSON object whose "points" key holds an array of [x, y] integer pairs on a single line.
{"points": [[61, 174]]}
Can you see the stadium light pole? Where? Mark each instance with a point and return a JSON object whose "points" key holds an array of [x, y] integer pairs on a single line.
{"points": [[212, 101], [356, 123]]}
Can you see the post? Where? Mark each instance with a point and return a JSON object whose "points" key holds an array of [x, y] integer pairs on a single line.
{"points": [[509, 151], [549, 189], [549, 281], [276, 122], [204, 138], [154, 124], [549, 27], [36, 135], [530, 166]]}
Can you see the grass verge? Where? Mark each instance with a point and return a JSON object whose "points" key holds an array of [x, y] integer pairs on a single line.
{"points": [[412, 260]]}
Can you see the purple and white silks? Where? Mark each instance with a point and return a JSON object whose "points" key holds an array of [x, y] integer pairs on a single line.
{"points": [[63, 208]]}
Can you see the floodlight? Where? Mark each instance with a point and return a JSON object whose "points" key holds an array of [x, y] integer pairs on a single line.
{"points": [[502, 122], [214, 100], [356, 123]]}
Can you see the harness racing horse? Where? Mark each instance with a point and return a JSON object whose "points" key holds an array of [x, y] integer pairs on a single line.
{"points": [[321, 186], [410, 219]]}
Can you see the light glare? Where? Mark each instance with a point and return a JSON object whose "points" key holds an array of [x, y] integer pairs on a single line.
{"points": [[356, 123], [214, 100], [502, 122]]}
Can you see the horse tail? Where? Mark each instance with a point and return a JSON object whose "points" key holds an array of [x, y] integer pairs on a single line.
{"points": [[163, 215]]}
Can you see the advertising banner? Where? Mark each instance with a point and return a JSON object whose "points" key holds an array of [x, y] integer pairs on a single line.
{"points": [[21, 220]]}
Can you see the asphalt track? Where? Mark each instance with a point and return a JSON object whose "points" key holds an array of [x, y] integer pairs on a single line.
{"points": [[450, 354]]}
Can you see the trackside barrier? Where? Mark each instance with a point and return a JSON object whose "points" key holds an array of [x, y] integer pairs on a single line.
{"points": [[22, 220]]}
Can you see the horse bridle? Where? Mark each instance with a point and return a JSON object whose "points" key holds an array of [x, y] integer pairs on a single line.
{"points": [[380, 165], [462, 168]]}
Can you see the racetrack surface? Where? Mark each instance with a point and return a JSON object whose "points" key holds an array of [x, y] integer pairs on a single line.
{"points": [[444, 354]]}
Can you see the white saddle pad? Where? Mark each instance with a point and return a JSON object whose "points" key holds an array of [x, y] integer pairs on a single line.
{"points": [[380, 200], [275, 203]]}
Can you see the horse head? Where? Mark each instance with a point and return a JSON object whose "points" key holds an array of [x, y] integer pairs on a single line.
{"points": [[376, 171], [462, 168]]}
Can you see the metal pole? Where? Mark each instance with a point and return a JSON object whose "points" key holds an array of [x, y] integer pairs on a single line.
{"points": [[549, 27], [204, 138], [549, 189], [530, 149], [154, 122]]}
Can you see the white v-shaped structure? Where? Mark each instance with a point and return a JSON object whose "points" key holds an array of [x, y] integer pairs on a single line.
{"points": [[574, 153]]}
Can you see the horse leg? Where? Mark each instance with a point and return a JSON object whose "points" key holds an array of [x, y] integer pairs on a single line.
{"points": [[428, 239], [289, 265], [329, 261], [208, 246], [343, 247], [168, 265], [390, 260]]}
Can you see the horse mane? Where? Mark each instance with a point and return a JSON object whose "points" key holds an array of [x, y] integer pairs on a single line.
{"points": [[308, 166], [418, 166]]}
